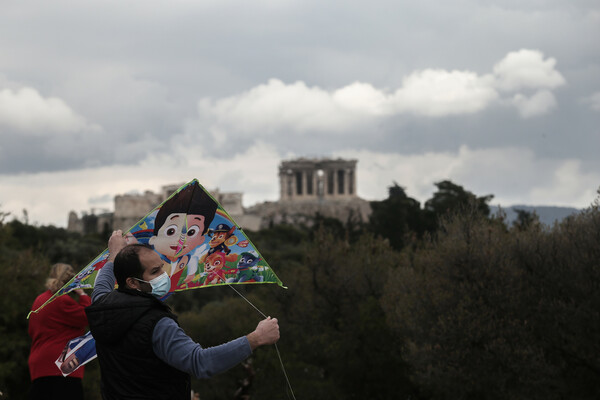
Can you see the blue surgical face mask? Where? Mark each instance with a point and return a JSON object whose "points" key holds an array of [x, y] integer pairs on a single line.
{"points": [[160, 285]]}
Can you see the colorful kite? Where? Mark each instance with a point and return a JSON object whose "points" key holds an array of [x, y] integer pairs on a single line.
{"points": [[200, 243]]}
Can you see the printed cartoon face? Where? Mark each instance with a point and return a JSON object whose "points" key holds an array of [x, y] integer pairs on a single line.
{"points": [[174, 240], [214, 262], [217, 239], [247, 260]]}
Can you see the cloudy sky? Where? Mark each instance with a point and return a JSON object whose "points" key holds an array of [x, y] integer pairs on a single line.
{"points": [[99, 98]]}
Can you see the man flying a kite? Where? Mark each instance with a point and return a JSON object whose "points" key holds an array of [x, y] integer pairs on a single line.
{"points": [[143, 352]]}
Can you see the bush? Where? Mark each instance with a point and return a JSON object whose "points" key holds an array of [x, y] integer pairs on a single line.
{"points": [[493, 314]]}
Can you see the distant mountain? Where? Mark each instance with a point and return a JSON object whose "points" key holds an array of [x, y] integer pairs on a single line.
{"points": [[547, 214]]}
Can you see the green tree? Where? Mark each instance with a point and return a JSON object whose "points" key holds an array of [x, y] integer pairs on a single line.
{"points": [[525, 219], [490, 313], [563, 280], [451, 197], [335, 323], [398, 218]]}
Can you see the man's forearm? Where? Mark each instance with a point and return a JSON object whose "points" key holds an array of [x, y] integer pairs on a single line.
{"points": [[173, 346], [105, 281]]}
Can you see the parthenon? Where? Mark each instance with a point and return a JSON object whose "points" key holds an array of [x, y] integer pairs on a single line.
{"points": [[311, 179], [308, 187]]}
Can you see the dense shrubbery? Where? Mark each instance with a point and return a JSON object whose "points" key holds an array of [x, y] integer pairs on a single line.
{"points": [[411, 305], [491, 313]]}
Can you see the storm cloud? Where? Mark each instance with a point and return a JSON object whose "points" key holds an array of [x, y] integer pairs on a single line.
{"points": [[100, 98]]}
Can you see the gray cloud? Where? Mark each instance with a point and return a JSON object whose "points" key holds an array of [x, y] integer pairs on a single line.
{"points": [[593, 101], [104, 86], [27, 111]]}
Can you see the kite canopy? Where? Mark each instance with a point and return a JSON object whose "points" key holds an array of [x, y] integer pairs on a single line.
{"points": [[199, 242]]}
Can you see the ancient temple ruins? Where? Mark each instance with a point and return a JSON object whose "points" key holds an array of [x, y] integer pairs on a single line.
{"points": [[310, 179], [308, 188], [314, 188]]}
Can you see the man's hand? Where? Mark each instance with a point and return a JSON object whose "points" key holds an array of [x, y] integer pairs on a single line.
{"points": [[115, 243], [130, 239], [266, 332]]}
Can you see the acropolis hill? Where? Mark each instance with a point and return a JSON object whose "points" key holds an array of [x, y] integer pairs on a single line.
{"points": [[307, 187]]}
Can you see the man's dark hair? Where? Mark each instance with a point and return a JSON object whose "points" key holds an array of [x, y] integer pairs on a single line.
{"points": [[127, 263], [191, 200]]}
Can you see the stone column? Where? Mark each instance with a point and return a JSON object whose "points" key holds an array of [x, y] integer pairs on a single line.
{"points": [[311, 183], [282, 187], [340, 189], [333, 182], [304, 184]]}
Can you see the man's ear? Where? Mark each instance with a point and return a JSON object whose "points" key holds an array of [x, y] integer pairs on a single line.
{"points": [[132, 283], [152, 240]]}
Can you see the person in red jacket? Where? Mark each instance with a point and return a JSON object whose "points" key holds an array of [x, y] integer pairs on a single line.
{"points": [[50, 330]]}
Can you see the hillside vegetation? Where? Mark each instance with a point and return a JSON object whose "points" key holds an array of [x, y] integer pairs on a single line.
{"points": [[432, 301]]}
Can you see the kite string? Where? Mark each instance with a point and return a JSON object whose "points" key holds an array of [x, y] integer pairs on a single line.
{"points": [[276, 348], [248, 301]]}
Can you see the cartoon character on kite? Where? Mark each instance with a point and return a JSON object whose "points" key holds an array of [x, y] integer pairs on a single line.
{"points": [[221, 238], [213, 267], [247, 268], [179, 229]]}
